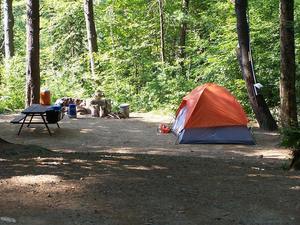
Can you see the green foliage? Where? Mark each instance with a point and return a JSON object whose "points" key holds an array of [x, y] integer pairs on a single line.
{"points": [[291, 138], [128, 67], [12, 84]]}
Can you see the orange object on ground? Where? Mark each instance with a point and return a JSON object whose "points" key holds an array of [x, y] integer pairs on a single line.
{"points": [[164, 129], [210, 105], [45, 98]]}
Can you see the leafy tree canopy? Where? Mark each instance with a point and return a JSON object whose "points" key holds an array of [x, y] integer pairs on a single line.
{"points": [[128, 67]]}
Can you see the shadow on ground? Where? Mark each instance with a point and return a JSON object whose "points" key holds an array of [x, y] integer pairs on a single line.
{"points": [[102, 188]]}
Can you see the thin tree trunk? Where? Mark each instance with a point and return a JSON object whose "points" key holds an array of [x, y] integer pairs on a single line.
{"points": [[162, 30], [182, 35], [33, 53], [2, 51], [91, 32], [257, 101], [288, 68], [8, 24], [1, 38]]}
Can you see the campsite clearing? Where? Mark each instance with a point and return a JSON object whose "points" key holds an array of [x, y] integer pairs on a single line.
{"points": [[117, 172]]}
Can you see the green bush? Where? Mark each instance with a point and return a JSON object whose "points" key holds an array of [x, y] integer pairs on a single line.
{"points": [[12, 86], [291, 138]]}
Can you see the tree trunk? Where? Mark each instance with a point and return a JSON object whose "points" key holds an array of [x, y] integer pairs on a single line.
{"points": [[182, 35], [8, 24], [2, 51], [2, 37], [91, 32], [257, 101], [162, 30], [33, 53], [288, 69]]}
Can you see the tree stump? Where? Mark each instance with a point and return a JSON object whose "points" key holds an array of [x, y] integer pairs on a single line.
{"points": [[95, 110], [102, 112]]}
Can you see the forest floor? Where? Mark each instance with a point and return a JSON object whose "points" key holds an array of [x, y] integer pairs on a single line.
{"points": [[121, 172]]}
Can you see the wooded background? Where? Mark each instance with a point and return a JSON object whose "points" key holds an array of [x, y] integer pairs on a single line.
{"points": [[148, 53]]}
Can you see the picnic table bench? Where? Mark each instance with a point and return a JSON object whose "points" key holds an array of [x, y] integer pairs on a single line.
{"points": [[35, 110], [19, 118]]}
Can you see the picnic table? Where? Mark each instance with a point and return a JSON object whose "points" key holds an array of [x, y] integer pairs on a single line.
{"points": [[35, 110]]}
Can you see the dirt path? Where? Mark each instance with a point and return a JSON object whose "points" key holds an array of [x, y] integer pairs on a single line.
{"points": [[121, 172]]}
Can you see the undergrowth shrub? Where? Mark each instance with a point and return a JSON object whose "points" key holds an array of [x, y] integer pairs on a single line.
{"points": [[12, 85], [291, 139]]}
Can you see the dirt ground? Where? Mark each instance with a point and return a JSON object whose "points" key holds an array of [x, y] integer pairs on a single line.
{"points": [[121, 172]]}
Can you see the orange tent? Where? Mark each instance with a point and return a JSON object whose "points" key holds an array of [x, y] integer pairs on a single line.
{"points": [[216, 105], [208, 107]]}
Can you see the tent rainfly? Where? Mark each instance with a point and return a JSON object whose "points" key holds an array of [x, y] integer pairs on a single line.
{"points": [[210, 114]]}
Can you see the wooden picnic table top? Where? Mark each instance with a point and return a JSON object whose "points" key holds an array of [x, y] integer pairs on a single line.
{"points": [[35, 109]]}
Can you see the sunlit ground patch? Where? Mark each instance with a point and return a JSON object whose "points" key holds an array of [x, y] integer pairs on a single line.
{"points": [[86, 131], [296, 188], [4, 160], [154, 167], [33, 179]]}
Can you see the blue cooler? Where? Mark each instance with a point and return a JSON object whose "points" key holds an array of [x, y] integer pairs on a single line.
{"points": [[72, 111]]}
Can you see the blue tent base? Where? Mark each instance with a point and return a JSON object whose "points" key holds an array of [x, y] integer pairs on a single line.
{"points": [[216, 135]]}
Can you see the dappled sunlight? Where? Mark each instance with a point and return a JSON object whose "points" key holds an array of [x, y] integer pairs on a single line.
{"points": [[264, 153], [33, 179], [49, 158], [137, 135], [53, 163], [86, 131], [294, 177], [107, 161], [123, 157], [134, 131], [154, 167], [50, 162], [102, 127], [79, 161], [86, 167], [133, 150], [295, 188], [65, 150], [257, 168], [236, 167], [265, 173], [104, 181], [4, 160], [19, 165], [261, 175], [268, 133], [92, 160], [276, 134]]}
